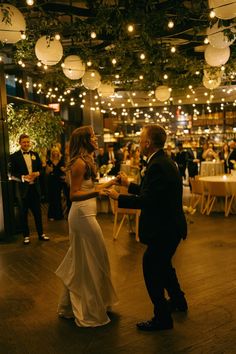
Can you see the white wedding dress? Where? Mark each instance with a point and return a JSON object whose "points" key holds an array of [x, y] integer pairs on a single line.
{"points": [[85, 271]]}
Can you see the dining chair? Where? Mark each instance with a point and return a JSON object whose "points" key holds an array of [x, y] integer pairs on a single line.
{"points": [[216, 190], [125, 215], [198, 194]]}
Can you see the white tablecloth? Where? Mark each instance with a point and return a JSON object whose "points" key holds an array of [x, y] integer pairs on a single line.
{"points": [[230, 182], [212, 168]]}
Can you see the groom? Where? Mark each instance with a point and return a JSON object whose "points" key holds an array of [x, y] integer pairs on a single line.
{"points": [[162, 225]]}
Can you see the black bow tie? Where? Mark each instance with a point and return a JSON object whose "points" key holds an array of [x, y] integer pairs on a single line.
{"points": [[26, 153]]}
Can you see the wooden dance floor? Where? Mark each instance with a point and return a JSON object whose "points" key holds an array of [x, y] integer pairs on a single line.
{"points": [[206, 265]]}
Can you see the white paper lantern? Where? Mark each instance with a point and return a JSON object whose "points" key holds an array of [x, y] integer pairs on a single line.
{"points": [[224, 9], [91, 79], [162, 93], [211, 83], [73, 67], [106, 89], [48, 50], [216, 56], [11, 32], [217, 38]]}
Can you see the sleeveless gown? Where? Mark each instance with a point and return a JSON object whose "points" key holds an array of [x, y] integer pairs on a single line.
{"points": [[85, 271]]}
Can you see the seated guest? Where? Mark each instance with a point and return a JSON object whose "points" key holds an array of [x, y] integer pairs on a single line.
{"points": [[55, 169]]}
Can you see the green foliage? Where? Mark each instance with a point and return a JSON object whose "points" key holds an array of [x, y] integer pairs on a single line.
{"points": [[42, 126]]}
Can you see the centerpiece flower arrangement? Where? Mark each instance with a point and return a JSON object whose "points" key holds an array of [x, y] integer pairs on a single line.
{"points": [[105, 169]]}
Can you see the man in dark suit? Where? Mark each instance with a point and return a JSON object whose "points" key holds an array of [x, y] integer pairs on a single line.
{"points": [[232, 155], [162, 225], [194, 157], [25, 168]]}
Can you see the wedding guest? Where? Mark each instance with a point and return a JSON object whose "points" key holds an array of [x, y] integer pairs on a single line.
{"points": [[55, 169], [181, 159], [102, 158], [232, 155], [162, 225], [209, 154], [25, 169], [194, 156], [224, 155], [135, 157], [85, 271], [169, 152]]}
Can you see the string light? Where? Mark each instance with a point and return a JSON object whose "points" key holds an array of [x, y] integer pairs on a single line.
{"points": [[171, 24], [212, 14], [93, 35], [130, 28]]}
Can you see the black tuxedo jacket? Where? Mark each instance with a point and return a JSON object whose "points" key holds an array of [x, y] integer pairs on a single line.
{"points": [[160, 199], [193, 166], [18, 168], [232, 156]]}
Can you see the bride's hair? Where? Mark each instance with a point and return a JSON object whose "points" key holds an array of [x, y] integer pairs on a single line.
{"points": [[81, 147]]}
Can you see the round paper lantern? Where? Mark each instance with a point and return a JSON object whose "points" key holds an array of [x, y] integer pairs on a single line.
{"points": [[211, 83], [224, 9], [91, 79], [11, 32], [73, 68], [216, 56], [106, 89], [162, 93], [48, 50], [217, 38]]}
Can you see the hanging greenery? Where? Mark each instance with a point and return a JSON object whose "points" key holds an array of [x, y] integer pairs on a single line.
{"points": [[43, 127]]}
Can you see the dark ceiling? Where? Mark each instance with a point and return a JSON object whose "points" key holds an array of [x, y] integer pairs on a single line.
{"points": [[109, 19]]}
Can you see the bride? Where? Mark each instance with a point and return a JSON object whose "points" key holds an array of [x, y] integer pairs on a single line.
{"points": [[85, 271]]}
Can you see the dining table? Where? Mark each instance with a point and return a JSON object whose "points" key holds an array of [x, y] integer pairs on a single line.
{"points": [[230, 182]]}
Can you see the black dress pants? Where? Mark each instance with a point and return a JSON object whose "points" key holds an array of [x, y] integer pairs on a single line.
{"points": [[159, 275], [31, 201]]}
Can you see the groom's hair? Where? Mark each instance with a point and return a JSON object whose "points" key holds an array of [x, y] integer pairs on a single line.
{"points": [[157, 135]]}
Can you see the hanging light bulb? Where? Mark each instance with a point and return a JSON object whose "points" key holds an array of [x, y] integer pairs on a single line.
{"points": [[130, 28], [57, 36], [171, 24], [30, 2], [93, 35], [173, 49], [142, 56]]}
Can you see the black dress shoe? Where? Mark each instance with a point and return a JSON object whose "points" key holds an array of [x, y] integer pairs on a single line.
{"points": [[155, 325], [43, 237], [178, 305]]}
